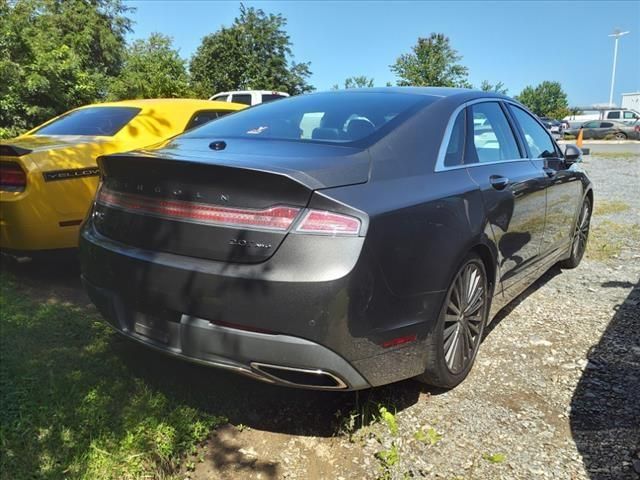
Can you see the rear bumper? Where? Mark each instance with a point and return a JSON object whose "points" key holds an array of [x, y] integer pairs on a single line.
{"points": [[28, 224], [318, 300], [280, 359]]}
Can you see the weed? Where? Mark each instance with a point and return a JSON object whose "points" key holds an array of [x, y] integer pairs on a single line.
{"points": [[430, 437], [388, 459], [390, 420], [364, 414], [494, 457]]}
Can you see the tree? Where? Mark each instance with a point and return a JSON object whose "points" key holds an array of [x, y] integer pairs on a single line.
{"points": [[360, 81], [486, 86], [433, 62], [545, 100], [152, 69], [55, 56], [254, 53]]}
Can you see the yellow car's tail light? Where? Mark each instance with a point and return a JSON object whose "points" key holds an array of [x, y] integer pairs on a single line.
{"points": [[12, 177]]}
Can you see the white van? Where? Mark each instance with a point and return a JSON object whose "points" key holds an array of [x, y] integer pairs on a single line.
{"points": [[249, 97]]}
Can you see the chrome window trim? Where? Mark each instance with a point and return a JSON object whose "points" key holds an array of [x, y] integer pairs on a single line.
{"points": [[478, 164], [442, 152]]}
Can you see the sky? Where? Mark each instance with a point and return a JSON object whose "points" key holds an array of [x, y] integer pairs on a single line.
{"points": [[517, 43]]}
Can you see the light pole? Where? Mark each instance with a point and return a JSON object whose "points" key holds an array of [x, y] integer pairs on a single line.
{"points": [[616, 34]]}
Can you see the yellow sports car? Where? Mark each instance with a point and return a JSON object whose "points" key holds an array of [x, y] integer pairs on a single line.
{"points": [[48, 176]]}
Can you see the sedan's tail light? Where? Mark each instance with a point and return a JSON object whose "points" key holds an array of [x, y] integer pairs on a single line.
{"points": [[12, 177], [277, 218], [329, 223], [637, 128]]}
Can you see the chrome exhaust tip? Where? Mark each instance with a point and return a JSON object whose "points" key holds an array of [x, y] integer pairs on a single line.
{"points": [[300, 377]]}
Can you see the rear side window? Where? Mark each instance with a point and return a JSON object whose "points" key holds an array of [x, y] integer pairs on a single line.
{"points": [[606, 125], [613, 115], [591, 125], [204, 116], [325, 117], [243, 98], [270, 97], [220, 98], [455, 149], [538, 140], [492, 135], [101, 121]]}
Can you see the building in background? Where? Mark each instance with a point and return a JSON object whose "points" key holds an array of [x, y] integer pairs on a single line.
{"points": [[631, 101]]}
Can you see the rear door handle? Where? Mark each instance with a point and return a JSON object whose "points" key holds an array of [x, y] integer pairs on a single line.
{"points": [[498, 182]]}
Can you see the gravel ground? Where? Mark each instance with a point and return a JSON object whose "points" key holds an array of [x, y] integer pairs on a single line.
{"points": [[555, 392]]}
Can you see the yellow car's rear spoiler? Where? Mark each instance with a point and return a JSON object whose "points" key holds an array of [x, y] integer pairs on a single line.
{"points": [[13, 151]]}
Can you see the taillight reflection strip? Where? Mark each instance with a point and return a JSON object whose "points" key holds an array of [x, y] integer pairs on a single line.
{"points": [[277, 218]]}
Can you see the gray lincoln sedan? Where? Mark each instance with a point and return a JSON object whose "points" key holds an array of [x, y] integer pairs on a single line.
{"points": [[337, 240]]}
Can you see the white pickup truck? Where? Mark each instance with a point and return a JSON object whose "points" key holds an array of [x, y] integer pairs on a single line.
{"points": [[249, 97], [622, 115]]}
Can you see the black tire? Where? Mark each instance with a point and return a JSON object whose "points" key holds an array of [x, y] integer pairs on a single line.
{"points": [[580, 237], [620, 136], [458, 331]]}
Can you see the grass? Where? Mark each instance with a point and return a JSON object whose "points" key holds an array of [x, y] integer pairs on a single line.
{"points": [[71, 408], [607, 239], [608, 207], [614, 155]]}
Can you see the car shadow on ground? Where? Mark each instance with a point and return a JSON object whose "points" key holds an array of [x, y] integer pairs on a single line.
{"points": [[507, 309], [259, 405], [53, 276], [605, 408]]}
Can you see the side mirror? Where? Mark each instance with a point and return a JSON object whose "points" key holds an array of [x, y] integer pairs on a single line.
{"points": [[572, 154]]}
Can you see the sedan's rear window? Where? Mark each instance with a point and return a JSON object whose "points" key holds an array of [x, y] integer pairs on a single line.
{"points": [[328, 117], [204, 116], [270, 97], [101, 121]]}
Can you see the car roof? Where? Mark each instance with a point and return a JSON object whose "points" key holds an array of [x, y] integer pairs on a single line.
{"points": [[167, 103], [462, 94], [266, 92]]}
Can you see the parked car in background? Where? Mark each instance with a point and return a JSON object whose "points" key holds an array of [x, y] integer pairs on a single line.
{"points": [[554, 126], [597, 129], [249, 97], [48, 176], [622, 115], [337, 240]]}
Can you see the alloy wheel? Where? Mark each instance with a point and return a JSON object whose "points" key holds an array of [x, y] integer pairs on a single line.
{"points": [[464, 317], [582, 232]]}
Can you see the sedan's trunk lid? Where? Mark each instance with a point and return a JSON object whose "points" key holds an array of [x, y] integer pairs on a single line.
{"points": [[234, 204]]}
